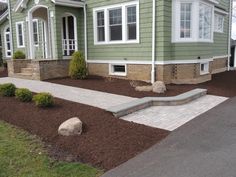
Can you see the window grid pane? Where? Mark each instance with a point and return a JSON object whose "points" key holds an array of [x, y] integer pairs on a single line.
{"points": [[205, 23], [115, 19], [132, 23], [185, 20], [100, 26], [20, 34]]}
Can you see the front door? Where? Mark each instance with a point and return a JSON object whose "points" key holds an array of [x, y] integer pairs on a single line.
{"points": [[69, 42]]}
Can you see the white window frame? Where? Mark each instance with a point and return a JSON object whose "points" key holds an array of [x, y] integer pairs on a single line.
{"points": [[106, 9], [113, 73], [216, 23], [37, 23], [5, 41], [17, 34], [194, 22], [206, 68]]}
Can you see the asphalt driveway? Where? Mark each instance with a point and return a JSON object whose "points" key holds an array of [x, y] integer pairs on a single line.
{"points": [[204, 147]]}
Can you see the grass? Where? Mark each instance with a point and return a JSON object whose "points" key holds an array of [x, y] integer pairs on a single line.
{"points": [[23, 155]]}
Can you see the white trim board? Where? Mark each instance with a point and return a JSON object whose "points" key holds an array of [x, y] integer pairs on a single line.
{"points": [[142, 62]]}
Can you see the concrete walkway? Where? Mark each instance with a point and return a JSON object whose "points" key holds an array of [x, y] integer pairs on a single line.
{"points": [[204, 147], [89, 97], [172, 117]]}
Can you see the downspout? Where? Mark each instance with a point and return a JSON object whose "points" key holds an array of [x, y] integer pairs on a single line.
{"points": [[230, 31], [10, 23], [85, 34], [153, 40]]}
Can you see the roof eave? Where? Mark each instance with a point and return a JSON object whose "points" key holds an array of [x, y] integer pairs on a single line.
{"points": [[68, 3], [3, 16]]}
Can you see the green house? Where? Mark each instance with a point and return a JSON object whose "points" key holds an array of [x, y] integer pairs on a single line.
{"points": [[175, 41]]}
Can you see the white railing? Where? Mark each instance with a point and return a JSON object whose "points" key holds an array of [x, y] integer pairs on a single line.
{"points": [[68, 46]]}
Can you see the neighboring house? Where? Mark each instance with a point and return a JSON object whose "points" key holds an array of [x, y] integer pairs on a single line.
{"points": [[177, 41]]}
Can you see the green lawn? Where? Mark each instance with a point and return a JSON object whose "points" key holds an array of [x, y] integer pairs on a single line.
{"points": [[22, 155]]}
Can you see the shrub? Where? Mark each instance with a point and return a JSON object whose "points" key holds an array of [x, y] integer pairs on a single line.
{"points": [[43, 100], [77, 68], [19, 55], [24, 95], [7, 90]]}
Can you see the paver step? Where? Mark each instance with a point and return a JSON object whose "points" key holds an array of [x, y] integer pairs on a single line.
{"points": [[24, 76], [27, 70], [30, 65]]}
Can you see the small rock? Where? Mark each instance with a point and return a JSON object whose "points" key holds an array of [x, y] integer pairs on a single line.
{"points": [[159, 87], [144, 88], [71, 127]]}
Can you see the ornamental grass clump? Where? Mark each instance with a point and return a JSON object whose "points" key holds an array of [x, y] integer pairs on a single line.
{"points": [[24, 95], [7, 90], [43, 100], [77, 68], [19, 55]]}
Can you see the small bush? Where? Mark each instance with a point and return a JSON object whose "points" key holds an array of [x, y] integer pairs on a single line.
{"points": [[78, 69], [43, 100], [24, 95], [19, 55], [7, 90]]}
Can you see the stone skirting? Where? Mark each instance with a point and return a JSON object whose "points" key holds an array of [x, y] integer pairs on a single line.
{"points": [[39, 69], [169, 73]]}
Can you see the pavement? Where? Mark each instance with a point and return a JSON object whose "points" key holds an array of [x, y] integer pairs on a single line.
{"points": [[204, 147], [172, 117], [85, 96]]}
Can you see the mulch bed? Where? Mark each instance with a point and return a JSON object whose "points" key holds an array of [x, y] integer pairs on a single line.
{"points": [[105, 143], [3, 73], [223, 84]]}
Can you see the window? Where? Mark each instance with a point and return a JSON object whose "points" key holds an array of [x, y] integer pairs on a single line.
{"points": [[36, 32], [185, 20], [205, 21], [20, 34], [117, 24], [8, 42], [219, 23], [118, 69], [192, 21], [132, 23], [204, 68], [100, 26]]}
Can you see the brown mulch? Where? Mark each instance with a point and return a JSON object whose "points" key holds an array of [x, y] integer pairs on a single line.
{"points": [[105, 143], [3, 73], [223, 84]]}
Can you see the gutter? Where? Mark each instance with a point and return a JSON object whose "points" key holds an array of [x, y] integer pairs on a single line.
{"points": [[85, 34], [153, 40], [10, 24], [230, 31]]}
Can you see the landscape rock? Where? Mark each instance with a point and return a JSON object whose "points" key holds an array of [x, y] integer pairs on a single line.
{"points": [[71, 127], [144, 88], [159, 87]]}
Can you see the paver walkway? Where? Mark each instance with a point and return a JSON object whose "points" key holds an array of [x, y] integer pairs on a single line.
{"points": [[204, 147], [172, 117], [89, 97]]}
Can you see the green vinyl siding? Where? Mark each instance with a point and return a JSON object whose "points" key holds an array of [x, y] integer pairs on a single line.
{"points": [[140, 51]]}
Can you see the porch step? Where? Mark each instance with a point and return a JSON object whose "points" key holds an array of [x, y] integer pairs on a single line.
{"points": [[24, 76], [30, 65], [27, 70]]}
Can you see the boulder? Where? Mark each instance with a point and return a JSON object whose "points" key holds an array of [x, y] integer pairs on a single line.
{"points": [[159, 87], [144, 88], [71, 127]]}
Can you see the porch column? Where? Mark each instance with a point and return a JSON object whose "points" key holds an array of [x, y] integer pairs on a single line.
{"points": [[31, 37]]}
